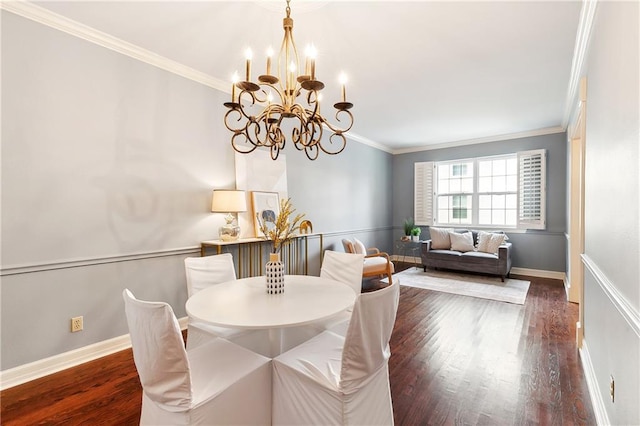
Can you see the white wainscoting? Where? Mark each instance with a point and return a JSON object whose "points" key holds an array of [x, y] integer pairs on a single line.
{"points": [[597, 403]]}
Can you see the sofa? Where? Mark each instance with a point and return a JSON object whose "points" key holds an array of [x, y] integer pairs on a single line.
{"points": [[467, 250]]}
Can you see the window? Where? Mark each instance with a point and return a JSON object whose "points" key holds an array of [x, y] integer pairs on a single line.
{"points": [[500, 191], [454, 186]]}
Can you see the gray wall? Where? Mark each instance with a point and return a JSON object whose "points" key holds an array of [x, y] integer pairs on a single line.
{"points": [[612, 231], [107, 169], [536, 249]]}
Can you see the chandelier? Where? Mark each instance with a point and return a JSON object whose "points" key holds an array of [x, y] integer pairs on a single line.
{"points": [[279, 97]]}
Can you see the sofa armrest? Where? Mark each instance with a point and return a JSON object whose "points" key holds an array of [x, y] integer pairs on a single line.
{"points": [[504, 251], [426, 245], [504, 259]]}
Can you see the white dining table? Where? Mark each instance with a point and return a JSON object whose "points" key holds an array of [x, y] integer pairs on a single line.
{"points": [[245, 304]]}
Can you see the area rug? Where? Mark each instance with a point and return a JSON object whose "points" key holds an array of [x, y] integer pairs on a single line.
{"points": [[484, 287]]}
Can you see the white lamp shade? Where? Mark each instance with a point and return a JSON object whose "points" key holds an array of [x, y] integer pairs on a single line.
{"points": [[228, 201]]}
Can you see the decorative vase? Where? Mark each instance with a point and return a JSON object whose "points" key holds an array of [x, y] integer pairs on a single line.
{"points": [[274, 274]]}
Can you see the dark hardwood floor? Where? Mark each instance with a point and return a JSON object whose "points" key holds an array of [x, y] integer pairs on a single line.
{"points": [[455, 360]]}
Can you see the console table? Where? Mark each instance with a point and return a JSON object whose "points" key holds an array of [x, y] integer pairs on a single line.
{"points": [[253, 253]]}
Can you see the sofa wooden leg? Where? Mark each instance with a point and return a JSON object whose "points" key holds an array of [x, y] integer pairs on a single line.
{"points": [[502, 278]]}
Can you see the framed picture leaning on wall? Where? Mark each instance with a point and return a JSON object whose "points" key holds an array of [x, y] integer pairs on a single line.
{"points": [[266, 206]]}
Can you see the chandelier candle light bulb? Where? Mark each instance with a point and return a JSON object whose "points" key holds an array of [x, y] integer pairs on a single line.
{"points": [[311, 57], [292, 77], [269, 55], [248, 54], [343, 82], [307, 66], [234, 80]]}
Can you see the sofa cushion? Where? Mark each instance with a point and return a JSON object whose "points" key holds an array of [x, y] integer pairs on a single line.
{"points": [[479, 256], [440, 239], [461, 242], [447, 255], [488, 242], [376, 264], [476, 260]]}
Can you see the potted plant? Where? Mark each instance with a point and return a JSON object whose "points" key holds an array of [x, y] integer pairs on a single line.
{"points": [[409, 224], [286, 227], [415, 234]]}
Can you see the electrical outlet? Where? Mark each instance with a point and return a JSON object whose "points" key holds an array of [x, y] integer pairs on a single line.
{"points": [[612, 388], [76, 324]]}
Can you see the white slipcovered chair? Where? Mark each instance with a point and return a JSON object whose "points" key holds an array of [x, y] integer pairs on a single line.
{"points": [[335, 380], [376, 262], [210, 384], [346, 268], [206, 271], [343, 267]]}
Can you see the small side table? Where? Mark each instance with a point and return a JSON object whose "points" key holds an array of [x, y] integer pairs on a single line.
{"points": [[404, 248]]}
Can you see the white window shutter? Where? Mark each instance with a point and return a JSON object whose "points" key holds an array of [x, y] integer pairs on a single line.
{"points": [[423, 193], [532, 189]]}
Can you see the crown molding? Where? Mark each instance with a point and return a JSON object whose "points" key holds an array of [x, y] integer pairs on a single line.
{"points": [[486, 139], [583, 37], [368, 142], [46, 17]]}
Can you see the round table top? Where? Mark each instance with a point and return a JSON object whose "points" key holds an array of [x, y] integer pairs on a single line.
{"points": [[244, 303]]}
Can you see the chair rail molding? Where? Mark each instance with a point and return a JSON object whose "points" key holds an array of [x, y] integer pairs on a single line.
{"points": [[76, 263], [627, 311]]}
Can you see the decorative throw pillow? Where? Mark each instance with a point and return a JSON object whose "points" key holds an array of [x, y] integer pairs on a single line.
{"points": [[462, 242], [440, 238], [483, 239], [488, 242], [359, 247]]}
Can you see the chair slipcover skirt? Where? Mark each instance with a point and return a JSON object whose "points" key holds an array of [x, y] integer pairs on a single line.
{"points": [[301, 393], [335, 380], [225, 379]]}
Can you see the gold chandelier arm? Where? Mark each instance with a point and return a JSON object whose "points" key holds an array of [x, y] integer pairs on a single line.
{"points": [[340, 143], [242, 144], [336, 129], [228, 118], [312, 152]]}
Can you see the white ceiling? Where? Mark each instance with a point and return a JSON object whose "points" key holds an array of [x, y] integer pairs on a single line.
{"points": [[421, 73]]}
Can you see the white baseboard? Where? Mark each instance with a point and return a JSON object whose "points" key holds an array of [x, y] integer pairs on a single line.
{"points": [[567, 286], [599, 409], [556, 275], [43, 367]]}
